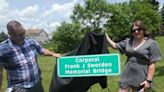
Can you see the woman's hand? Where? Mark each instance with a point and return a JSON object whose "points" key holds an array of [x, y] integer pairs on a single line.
{"points": [[146, 86]]}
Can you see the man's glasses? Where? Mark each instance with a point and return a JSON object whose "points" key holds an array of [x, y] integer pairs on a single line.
{"points": [[138, 29]]}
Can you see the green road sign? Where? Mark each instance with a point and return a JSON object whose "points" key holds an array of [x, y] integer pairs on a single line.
{"points": [[88, 65]]}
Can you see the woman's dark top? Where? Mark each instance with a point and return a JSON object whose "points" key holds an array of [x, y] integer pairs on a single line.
{"points": [[136, 67]]}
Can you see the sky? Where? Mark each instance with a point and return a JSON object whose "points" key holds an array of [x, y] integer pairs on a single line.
{"points": [[43, 14]]}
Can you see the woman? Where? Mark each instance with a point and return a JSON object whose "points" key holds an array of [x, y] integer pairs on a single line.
{"points": [[142, 53]]}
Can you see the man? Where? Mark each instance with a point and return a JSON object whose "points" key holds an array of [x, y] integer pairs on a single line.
{"points": [[19, 57]]}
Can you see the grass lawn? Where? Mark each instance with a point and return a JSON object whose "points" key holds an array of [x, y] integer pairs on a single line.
{"points": [[47, 66]]}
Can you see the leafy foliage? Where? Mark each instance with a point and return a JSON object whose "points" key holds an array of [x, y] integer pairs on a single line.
{"points": [[92, 16], [119, 24], [162, 14], [99, 16], [66, 38], [3, 36], [143, 10], [154, 4]]}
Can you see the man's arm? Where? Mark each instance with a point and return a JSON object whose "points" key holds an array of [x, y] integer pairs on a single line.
{"points": [[49, 53], [45, 51]]}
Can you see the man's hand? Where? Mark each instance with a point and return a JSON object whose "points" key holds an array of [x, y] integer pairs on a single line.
{"points": [[49, 53], [56, 55]]}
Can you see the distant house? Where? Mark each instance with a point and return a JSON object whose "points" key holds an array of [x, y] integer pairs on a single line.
{"points": [[38, 34]]}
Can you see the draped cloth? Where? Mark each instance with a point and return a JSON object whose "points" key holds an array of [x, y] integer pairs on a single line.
{"points": [[92, 43]]}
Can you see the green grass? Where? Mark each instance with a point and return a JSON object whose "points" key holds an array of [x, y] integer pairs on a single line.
{"points": [[47, 66]]}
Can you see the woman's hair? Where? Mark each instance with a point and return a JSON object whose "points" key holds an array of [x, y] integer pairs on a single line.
{"points": [[141, 25]]}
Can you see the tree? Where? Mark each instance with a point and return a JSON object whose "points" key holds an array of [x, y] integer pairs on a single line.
{"points": [[142, 10], [118, 27], [154, 3], [3, 36], [92, 16], [66, 38], [162, 15], [98, 16]]}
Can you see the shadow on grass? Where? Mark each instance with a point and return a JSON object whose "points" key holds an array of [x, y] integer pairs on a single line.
{"points": [[159, 71]]}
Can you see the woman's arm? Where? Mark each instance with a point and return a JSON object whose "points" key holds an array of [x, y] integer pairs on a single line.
{"points": [[151, 71], [112, 43]]}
